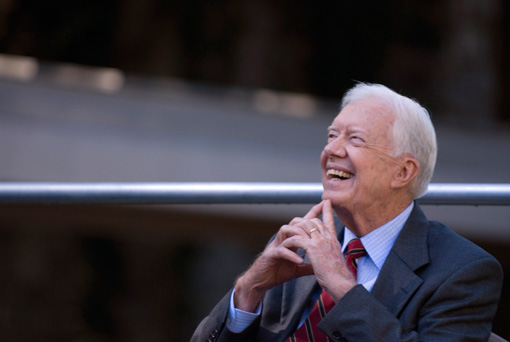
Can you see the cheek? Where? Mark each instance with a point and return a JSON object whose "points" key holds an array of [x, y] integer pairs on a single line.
{"points": [[323, 159]]}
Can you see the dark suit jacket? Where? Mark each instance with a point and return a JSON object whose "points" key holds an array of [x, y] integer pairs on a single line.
{"points": [[434, 286]]}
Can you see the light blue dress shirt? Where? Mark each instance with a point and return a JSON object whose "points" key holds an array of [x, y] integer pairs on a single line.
{"points": [[377, 243]]}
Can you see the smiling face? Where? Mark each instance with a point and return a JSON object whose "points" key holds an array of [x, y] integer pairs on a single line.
{"points": [[357, 163]]}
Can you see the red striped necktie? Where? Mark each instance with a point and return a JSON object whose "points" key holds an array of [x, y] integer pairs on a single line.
{"points": [[308, 331]]}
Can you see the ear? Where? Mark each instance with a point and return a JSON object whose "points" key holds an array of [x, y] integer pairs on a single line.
{"points": [[406, 171]]}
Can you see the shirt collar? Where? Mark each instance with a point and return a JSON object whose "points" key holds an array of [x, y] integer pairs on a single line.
{"points": [[379, 242]]}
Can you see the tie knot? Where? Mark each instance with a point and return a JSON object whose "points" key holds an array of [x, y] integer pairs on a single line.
{"points": [[356, 249]]}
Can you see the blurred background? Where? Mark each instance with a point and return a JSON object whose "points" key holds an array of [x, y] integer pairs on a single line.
{"points": [[201, 91]]}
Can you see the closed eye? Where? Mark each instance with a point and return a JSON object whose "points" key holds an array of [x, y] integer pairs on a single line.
{"points": [[332, 135], [357, 139]]}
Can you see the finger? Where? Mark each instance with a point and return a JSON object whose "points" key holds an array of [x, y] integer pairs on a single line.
{"points": [[287, 231], [327, 217], [318, 228], [310, 226], [297, 242], [314, 212], [295, 221], [314, 230], [289, 255], [287, 251]]}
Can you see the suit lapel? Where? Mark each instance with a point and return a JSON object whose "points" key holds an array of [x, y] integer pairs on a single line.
{"points": [[297, 295], [397, 280]]}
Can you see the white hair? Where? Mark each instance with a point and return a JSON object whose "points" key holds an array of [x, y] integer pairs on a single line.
{"points": [[413, 131]]}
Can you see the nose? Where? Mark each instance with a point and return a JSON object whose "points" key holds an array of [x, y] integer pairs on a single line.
{"points": [[336, 147]]}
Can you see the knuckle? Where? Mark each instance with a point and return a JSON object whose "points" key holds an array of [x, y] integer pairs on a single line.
{"points": [[317, 221], [295, 220]]}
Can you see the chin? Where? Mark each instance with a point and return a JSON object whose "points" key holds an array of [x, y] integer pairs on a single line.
{"points": [[336, 201]]}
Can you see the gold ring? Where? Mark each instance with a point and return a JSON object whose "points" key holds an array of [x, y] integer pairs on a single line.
{"points": [[313, 230]]}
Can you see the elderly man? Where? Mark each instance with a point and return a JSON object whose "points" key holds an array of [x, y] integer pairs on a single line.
{"points": [[385, 273]]}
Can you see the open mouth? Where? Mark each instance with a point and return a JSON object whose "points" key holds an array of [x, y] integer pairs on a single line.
{"points": [[338, 174]]}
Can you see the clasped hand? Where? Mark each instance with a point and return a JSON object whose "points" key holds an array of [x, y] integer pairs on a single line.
{"points": [[279, 262]]}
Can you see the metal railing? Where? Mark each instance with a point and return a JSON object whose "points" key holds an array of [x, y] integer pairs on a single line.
{"points": [[224, 193]]}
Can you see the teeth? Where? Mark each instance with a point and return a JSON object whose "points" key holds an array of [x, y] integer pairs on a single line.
{"points": [[339, 174]]}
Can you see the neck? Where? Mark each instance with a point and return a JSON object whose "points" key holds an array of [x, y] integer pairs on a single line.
{"points": [[362, 221]]}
